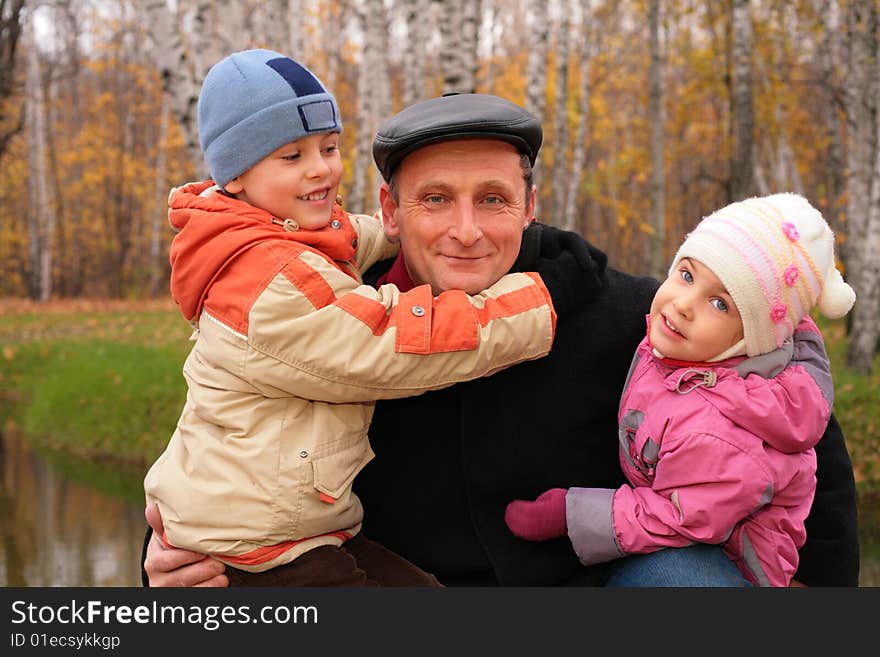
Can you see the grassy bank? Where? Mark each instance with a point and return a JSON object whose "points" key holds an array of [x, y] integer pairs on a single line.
{"points": [[101, 382]]}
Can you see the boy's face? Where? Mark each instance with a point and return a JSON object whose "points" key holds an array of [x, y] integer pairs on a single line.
{"points": [[693, 318], [298, 181]]}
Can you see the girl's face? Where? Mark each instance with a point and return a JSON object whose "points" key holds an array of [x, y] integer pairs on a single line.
{"points": [[298, 181], [693, 318]]}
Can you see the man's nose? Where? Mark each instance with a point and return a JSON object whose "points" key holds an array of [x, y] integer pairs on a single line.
{"points": [[465, 228]]}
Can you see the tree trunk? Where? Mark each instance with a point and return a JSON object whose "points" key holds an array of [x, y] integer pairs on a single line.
{"points": [[560, 131], [44, 218], [569, 220], [158, 261], [11, 120], [372, 20], [861, 110], [536, 71], [741, 170], [829, 13], [657, 257], [417, 14], [864, 220], [184, 57]]}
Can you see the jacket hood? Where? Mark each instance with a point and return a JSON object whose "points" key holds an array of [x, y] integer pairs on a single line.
{"points": [[212, 229]]}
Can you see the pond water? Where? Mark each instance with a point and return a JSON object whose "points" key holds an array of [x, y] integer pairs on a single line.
{"points": [[83, 525], [61, 529]]}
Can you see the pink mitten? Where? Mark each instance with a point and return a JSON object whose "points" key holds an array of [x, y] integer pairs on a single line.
{"points": [[539, 520]]}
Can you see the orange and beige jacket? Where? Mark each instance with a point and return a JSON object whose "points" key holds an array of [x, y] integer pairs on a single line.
{"points": [[291, 350]]}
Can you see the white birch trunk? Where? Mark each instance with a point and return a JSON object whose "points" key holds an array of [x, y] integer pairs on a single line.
{"points": [[657, 257], [160, 212], [864, 238], [743, 104], [43, 233], [185, 44], [536, 72], [357, 200], [861, 101], [569, 217], [417, 17], [560, 131]]}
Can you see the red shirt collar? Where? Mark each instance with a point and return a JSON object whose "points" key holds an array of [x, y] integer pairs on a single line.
{"points": [[398, 275]]}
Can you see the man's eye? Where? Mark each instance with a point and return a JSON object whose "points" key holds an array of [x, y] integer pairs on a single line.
{"points": [[493, 200], [434, 198], [720, 304]]}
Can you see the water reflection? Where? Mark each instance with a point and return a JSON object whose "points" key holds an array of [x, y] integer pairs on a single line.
{"points": [[57, 531]]}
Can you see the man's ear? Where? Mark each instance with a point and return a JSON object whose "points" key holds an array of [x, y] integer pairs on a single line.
{"points": [[530, 211], [389, 213]]}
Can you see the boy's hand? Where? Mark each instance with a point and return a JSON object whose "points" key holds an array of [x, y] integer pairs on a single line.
{"points": [[175, 566], [540, 520]]}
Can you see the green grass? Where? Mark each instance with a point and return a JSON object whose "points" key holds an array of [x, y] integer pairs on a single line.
{"points": [[98, 388]]}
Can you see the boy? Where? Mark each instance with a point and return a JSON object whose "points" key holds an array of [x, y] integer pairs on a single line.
{"points": [[292, 349]]}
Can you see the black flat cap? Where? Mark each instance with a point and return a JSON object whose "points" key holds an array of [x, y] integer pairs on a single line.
{"points": [[455, 116]]}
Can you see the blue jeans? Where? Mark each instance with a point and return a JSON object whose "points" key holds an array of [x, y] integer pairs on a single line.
{"points": [[696, 565]]}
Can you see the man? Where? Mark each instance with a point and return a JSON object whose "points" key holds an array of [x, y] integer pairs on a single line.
{"points": [[457, 194]]}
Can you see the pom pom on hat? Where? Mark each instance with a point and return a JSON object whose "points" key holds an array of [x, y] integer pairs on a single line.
{"points": [[254, 102], [837, 297], [775, 256]]}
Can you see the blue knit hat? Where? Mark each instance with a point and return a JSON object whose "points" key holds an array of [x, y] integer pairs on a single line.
{"points": [[254, 102]]}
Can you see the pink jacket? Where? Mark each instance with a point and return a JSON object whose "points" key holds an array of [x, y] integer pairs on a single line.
{"points": [[719, 454]]}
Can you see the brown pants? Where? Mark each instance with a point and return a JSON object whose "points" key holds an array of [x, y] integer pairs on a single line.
{"points": [[357, 562]]}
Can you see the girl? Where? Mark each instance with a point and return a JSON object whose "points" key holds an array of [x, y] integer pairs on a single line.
{"points": [[722, 407]]}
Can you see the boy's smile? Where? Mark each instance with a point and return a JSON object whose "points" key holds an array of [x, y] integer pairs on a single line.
{"points": [[298, 181]]}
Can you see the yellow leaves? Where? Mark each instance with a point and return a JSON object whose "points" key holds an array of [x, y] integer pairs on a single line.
{"points": [[8, 352]]}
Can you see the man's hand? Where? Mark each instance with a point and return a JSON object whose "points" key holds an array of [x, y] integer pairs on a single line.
{"points": [[540, 520], [177, 567]]}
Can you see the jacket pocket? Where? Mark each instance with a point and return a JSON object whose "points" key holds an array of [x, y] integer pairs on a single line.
{"points": [[334, 472]]}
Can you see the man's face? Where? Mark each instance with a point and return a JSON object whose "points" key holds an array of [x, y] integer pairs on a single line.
{"points": [[460, 213]]}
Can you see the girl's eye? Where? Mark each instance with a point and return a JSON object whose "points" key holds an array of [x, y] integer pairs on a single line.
{"points": [[331, 149], [687, 276], [720, 304], [292, 156]]}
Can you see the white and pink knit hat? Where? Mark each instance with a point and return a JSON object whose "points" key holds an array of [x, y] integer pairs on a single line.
{"points": [[775, 256]]}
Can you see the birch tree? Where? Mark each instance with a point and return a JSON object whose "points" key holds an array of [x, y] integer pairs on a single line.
{"points": [[11, 119], [536, 70], [187, 40], [42, 223], [457, 20], [657, 249], [569, 219], [861, 111], [373, 101], [415, 18], [863, 187], [560, 122], [742, 102], [828, 15]]}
